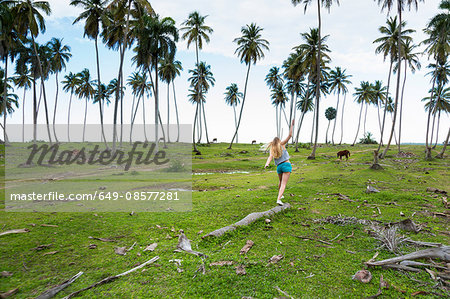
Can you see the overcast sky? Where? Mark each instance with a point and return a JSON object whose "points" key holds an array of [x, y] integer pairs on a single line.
{"points": [[352, 27]]}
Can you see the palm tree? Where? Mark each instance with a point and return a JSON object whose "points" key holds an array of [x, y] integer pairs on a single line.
{"points": [[305, 104], [70, 84], [196, 31], [28, 19], [233, 98], [250, 49], [156, 39], [389, 44], [60, 55], [274, 80], [412, 61], [279, 99], [388, 4], [439, 102], [170, 68], [7, 100], [379, 97], [339, 81], [202, 79], [23, 80], [139, 88], [86, 91], [95, 17], [327, 4], [363, 96], [330, 114]]}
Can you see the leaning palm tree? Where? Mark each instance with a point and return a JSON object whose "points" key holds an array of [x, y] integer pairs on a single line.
{"points": [[440, 102], [327, 4], [330, 114], [363, 96], [196, 31], [233, 98], [275, 82], [401, 5], [338, 85], [7, 100], [411, 60], [95, 17], [70, 84], [279, 99], [23, 80], [388, 47], [157, 38], [28, 18], [60, 56], [379, 97], [305, 105], [250, 49], [86, 91]]}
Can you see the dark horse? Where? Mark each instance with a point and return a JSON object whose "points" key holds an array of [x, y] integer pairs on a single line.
{"points": [[343, 153]]}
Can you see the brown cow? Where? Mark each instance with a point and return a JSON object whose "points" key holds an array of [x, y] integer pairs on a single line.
{"points": [[343, 153]]}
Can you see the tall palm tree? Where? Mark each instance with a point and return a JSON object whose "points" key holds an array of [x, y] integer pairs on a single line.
{"points": [[339, 81], [7, 100], [327, 4], [275, 81], [60, 56], [233, 98], [305, 105], [202, 79], [86, 91], [411, 60], [95, 17], [170, 68], [379, 97], [250, 49], [23, 80], [70, 84], [363, 96], [439, 103], [29, 19], [388, 47], [156, 39], [196, 31], [279, 99], [139, 87], [330, 114], [401, 5]]}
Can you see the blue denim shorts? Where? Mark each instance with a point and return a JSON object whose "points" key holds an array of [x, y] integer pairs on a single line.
{"points": [[284, 167]]}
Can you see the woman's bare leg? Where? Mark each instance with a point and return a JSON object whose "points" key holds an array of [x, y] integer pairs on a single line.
{"points": [[280, 176], [284, 180]]}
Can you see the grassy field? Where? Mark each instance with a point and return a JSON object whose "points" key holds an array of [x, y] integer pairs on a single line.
{"points": [[228, 185]]}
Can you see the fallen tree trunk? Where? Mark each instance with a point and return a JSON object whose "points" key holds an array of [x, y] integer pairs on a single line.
{"points": [[250, 218], [111, 278], [442, 253], [55, 290]]}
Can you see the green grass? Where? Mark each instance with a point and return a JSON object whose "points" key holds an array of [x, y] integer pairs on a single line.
{"points": [[221, 199]]}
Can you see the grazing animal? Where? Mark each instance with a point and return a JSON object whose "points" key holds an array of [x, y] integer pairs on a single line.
{"points": [[254, 142], [343, 153], [215, 140]]}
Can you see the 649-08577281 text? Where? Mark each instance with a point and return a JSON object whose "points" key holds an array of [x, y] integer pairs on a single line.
{"points": [[102, 196]]}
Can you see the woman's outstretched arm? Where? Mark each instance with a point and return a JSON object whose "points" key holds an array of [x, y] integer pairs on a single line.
{"points": [[268, 161], [290, 134]]}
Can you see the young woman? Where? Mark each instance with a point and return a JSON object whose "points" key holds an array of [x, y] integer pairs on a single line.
{"points": [[280, 156]]}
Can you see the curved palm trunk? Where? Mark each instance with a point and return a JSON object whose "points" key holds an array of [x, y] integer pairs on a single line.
{"points": [[242, 107], [23, 115], [437, 130], [313, 126], [199, 123], [312, 156], [432, 128], [176, 111], [342, 119], [335, 119], [285, 117], [168, 114], [365, 118], [206, 127], [378, 112], [193, 130], [162, 129], [100, 102], [68, 117], [276, 119], [427, 147], [132, 108], [397, 92], [85, 114], [235, 121], [121, 108], [441, 154], [401, 110], [54, 110], [359, 123], [326, 135], [156, 104], [143, 118], [295, 114], [34, 109], [298, 130], [133, 117]]}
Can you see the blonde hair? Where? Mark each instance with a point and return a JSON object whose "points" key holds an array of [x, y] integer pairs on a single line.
{"points": [[275, 147]]}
